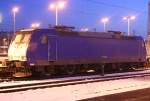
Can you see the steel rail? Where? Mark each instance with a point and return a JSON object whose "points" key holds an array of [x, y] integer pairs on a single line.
{"points": [[50, 84]]}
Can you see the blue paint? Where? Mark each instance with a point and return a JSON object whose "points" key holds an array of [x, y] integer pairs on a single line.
{"points": [[76, 46]]}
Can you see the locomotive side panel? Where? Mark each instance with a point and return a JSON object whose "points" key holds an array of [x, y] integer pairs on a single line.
{"points": [[76, 49]]}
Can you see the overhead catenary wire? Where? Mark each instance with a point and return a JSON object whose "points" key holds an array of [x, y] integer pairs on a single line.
{"points": [[115, 6], [92, 9]]}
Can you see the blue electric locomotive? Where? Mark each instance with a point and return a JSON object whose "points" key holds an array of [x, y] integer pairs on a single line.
{"points": [[62, 50]]}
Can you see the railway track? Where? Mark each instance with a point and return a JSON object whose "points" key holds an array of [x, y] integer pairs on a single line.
{"points": [[70, 81]]}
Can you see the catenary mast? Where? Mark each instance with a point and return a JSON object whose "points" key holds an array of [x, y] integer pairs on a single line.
{"points": [[148, 32]]}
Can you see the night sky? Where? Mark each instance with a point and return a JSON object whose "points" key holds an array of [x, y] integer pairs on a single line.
{"points": [[78, 13]]}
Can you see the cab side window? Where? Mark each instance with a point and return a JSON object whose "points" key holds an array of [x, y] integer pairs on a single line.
{"points": [[44, 39]]}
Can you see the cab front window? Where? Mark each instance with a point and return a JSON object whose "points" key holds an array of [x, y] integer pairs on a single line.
{"points": [[18, 38], [22, 37], [26, 38]]}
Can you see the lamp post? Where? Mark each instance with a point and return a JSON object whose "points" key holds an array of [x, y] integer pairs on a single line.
{"points": [[129, 18], [1, 18], [104, 21], [57, 6], [14, 10]]}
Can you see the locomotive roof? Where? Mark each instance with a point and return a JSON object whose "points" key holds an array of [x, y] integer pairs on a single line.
{"points": [[110, 34]]}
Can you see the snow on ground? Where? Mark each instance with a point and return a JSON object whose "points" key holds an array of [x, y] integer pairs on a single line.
{"points": [[76, 92]]}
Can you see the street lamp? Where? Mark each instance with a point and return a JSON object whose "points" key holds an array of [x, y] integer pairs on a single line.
{"points": [[104, 21], [57, 6], [129, 18], [15, 10]]}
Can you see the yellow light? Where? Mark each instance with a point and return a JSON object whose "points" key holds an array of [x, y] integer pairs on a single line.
{"points": [[61, 4], [15, 9], [58, 5], [52, 6], [124, 18], [129, 18], [132, 17], [35, 25], [104, 20]]}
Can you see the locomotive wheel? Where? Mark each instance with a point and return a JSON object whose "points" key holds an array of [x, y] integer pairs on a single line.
{"points": [[70, 70], [49, 71]]}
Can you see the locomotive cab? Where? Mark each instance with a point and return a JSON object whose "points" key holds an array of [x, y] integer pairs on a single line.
{"points": [[29, 48], [17, 54]]}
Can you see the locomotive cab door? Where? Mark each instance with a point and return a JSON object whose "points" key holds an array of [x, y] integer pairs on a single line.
{"points": [[52, 48]]}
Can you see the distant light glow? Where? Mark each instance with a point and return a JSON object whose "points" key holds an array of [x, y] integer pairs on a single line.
{"points": [[61, 4], [129, 18], [35, 25], [52, 6], [133, 17], [105, 20], [15, 9], [58, 5]]}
